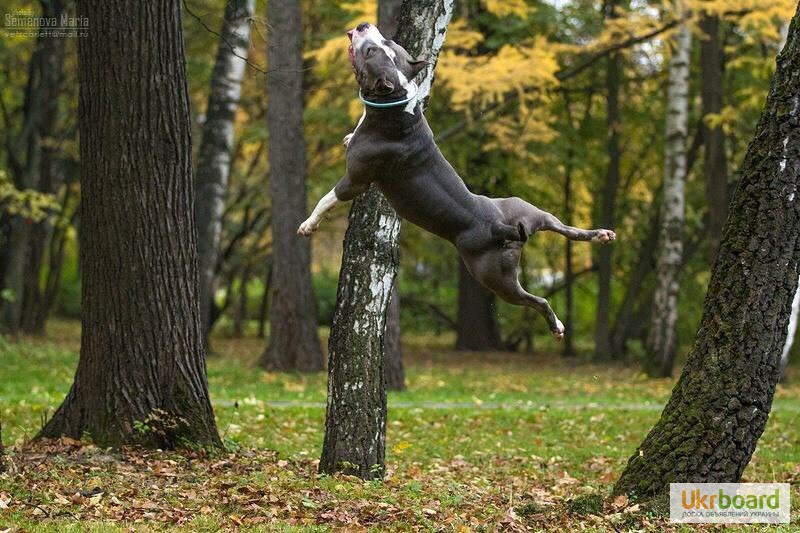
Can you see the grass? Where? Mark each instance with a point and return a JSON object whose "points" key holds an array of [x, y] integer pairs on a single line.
{"points": [[477, 442]]}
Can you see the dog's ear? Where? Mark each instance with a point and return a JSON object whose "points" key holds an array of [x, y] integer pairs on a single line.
{"points": [[417, 65]]}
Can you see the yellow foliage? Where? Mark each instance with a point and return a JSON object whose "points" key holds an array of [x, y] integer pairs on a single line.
{"points": [[459, 36], [485, 80], [27, 203], [504, 8]]}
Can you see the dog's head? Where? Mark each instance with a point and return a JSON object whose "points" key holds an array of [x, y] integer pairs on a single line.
{"points": [[383, 68]]}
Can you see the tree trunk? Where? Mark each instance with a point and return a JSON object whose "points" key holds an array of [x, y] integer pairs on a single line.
{"points": [[393, 368], [32, 316], [661, 341], [355, 424], [141, 374], [293, 340], [476, 327], [388, 12], [569, 307], [214, 156], [718, 409], [712, 66], [607, 214], [240, 314]]}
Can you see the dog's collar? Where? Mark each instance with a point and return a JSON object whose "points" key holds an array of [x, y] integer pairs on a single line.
{"points": [[390, 104]]}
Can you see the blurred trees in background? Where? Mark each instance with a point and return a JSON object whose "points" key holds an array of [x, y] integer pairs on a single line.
{"points": [[560, 102]]}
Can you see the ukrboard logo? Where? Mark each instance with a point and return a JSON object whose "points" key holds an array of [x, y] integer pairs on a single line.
{"points": [[765, 503]]}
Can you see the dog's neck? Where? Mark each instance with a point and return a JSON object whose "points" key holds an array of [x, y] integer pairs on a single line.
{"points": [[392, 120]]}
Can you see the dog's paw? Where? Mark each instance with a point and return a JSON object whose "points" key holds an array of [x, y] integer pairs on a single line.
{"points": [[308, 227], [347, 139], [558, 333], [604, 236]]}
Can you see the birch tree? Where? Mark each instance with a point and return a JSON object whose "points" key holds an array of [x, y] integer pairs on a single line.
{"points": [[355, 424], [720, 406], [214, 156], [661, 341]]}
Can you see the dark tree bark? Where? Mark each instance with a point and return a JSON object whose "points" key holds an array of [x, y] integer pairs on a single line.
{"points": [[214, 156], [393, 368], [355, 424], [712, 67], [32, 298], [293, 340], [607, 213], [388, 12], [141, 374], [476, 327], [718, 409], [569, 310]]}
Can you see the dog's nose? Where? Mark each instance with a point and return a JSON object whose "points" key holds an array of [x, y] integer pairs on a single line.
{"points": [[364, 26]]}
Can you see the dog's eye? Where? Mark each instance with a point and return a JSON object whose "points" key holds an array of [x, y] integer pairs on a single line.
{"points": [[370, 52]]}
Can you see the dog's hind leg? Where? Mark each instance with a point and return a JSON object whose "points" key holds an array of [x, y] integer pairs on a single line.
{"points": [[531, 219], [497, 270]]}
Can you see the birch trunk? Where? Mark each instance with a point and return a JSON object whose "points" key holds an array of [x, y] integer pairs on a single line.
{"points": [[214, 156], [355, 425], [719, 408], [661, 341]]}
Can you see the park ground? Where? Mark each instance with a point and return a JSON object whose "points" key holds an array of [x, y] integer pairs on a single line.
{"points": [[478, 442]]}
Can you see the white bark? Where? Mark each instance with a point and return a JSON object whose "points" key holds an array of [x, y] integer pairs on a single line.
{"points": [[214, 156], [661, 339]]}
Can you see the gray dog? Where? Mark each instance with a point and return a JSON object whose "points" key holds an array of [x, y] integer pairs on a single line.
{"points": [[394, 147]]}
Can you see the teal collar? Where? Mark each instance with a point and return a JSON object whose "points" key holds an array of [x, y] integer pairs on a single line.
{"points": [[390, 104]]}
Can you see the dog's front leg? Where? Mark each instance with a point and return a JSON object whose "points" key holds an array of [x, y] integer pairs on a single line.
{"points": [[325, 204], [344, 191]]}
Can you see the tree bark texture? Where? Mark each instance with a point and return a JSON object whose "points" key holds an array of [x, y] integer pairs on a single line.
{"points": [[355, 424], [388, 13], [141, 374], [608, 198], [476, 327], [712, 66], [661, 341], [393, 368], [293, 339], [718, 409], [214, 156]]}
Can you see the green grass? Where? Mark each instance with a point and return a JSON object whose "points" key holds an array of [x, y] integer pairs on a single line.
{"points": [[477, 442]]}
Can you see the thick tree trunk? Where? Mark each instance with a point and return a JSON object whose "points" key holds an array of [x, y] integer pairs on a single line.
{"points": [[718, 409], [388, 13], [712, 66], [141, 374], [661, 341], [33, 315], [393, 368], [214, 156], [607, 213], [476, 327], [293, 340], [355, 424]]}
